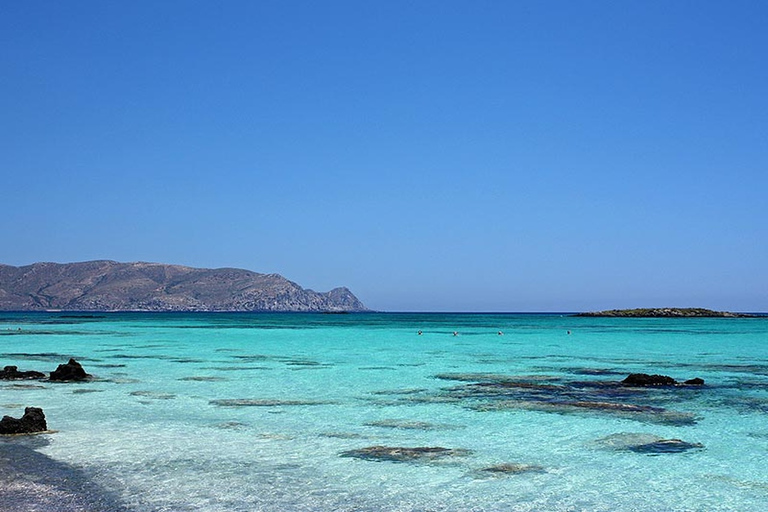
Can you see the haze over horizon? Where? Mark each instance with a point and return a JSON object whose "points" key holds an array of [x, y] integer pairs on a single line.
{"points": [[429, 156]]}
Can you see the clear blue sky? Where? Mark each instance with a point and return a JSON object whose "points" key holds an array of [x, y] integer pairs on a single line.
{"points": [[429, 155]]}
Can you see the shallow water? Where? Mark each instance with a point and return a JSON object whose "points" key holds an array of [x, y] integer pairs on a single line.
{"points": [[242, 412]]}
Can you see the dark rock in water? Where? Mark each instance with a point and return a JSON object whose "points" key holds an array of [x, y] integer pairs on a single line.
{"points": [[666, 446], [402, 454], [32, 421], [644, 380], [13, 373], [70, 371]]}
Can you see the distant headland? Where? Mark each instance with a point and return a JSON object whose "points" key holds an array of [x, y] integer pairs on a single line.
{"points": [[112, 286], [665, 313]]}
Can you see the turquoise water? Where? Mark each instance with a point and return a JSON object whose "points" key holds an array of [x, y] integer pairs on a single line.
{"points": [[242, 412]]}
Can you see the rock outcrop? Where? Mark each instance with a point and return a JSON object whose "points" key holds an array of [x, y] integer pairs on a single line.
{"points": [[69, 371], [645, 380], [13, 373], [113, 286], [33, 421]]}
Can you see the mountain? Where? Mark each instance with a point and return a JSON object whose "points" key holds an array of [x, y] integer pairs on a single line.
{"points": [[112, 286]]}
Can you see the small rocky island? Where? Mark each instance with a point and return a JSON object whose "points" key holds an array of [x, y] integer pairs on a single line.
{"points": [[665, 313]]}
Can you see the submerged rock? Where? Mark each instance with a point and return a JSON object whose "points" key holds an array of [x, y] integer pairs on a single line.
{"points": [[32, 421], [646, 443], [13, 373], [513, 468], [69, 371], [403, 454], [666, 446]]}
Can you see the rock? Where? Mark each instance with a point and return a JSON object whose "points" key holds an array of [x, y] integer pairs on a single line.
{"points": [[645, 380], [666, 446], [32, 421], [402, 454], [513, 468], [13, 373], [646, 443], [70, 371]]}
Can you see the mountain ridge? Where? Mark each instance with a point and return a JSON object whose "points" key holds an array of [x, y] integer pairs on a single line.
{"points": [[107, 285]]}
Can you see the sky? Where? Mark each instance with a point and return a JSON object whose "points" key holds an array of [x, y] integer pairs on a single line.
{"points": [[430, 155]]}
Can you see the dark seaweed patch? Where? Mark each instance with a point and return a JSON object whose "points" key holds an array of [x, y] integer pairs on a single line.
{"points": [[492, 392], [405, 454], [42, 356], [258, 402], [237, 368], [154, 395], [408, 425], [21, 387], [510, 468], [409, 391]]}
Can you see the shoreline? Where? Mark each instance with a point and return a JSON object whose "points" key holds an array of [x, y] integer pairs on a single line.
{"points": [[30, 480]]}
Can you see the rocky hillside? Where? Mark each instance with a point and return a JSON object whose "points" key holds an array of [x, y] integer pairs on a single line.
{"points": [[113, 286]]}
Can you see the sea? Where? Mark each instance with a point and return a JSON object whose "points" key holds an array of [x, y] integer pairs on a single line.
{"points": [[391, 412]]}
